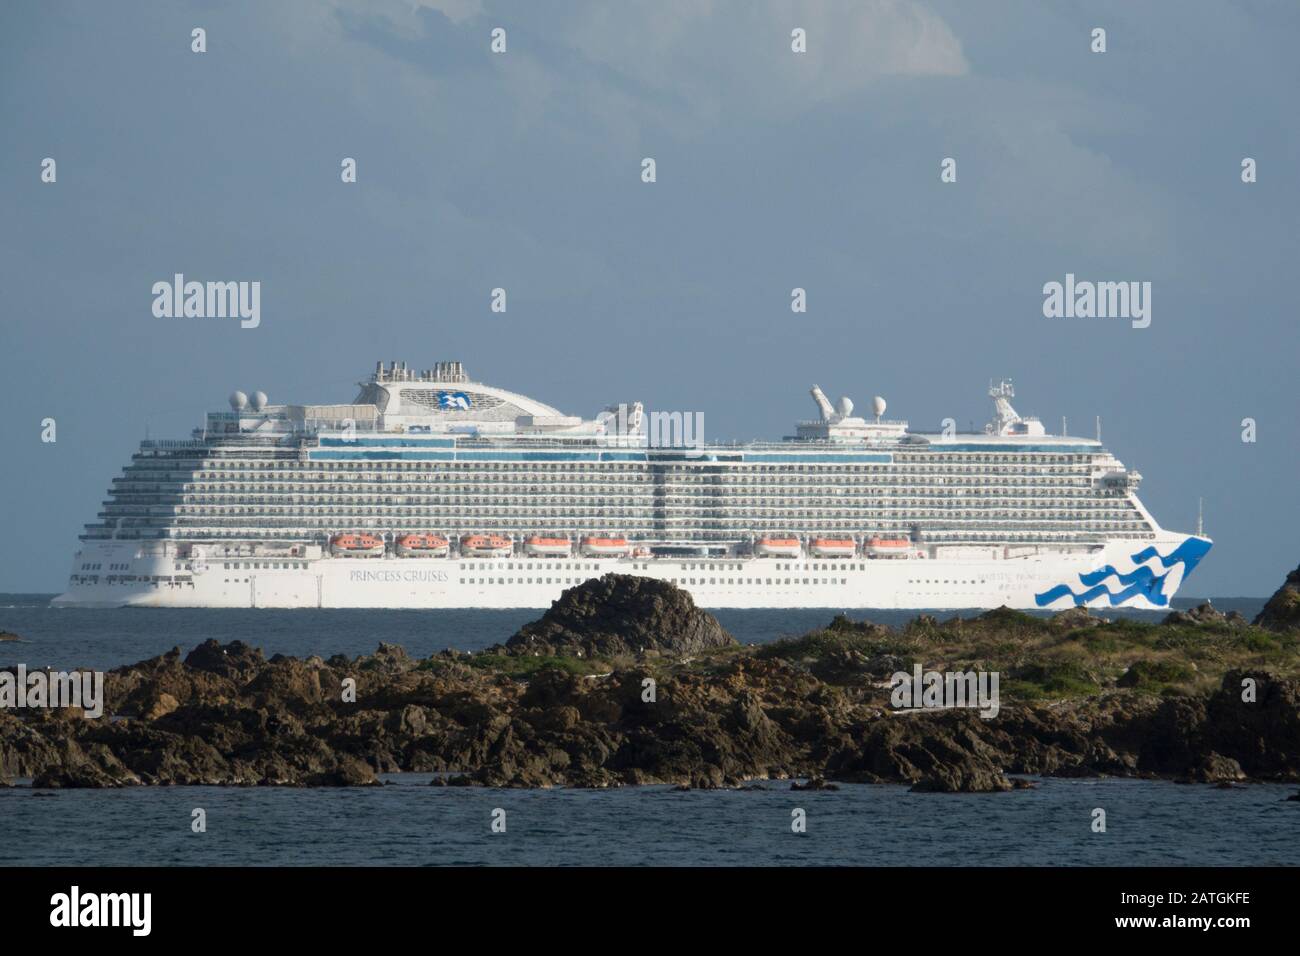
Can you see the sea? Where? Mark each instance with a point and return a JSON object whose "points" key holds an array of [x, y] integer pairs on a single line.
{"points": [[407, 822]]}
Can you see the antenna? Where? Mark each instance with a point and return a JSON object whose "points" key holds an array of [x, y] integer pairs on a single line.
{"points": [[1098, 428], [1200, 517], [1064, 433]]}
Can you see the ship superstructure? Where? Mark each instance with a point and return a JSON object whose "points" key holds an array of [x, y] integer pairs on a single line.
{"points": [[432, 490]]}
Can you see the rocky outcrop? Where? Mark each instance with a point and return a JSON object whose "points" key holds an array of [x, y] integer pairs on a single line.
{"points": [[1204, 613], [8, 636], [1075, 617], [1254, 718], [1282, 612], [621, 615], [286, 721]]}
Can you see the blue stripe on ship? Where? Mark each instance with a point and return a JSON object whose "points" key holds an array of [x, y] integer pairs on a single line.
{"points": [[1141, 581]]}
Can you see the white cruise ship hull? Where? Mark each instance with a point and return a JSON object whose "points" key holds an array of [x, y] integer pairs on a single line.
{"points": [[1129, 574]]}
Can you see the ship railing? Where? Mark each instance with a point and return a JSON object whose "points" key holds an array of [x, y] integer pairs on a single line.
{"points": [[869, 421]]}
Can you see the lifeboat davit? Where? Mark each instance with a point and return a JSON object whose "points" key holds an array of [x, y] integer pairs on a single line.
{"points": [[357, 546], [422, 546], [888, 547], [606, 547], [541, 547], [832, 547], [777, 548], [485, 546]]}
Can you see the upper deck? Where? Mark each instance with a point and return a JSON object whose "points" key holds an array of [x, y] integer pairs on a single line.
{"points": [[442, 408]]}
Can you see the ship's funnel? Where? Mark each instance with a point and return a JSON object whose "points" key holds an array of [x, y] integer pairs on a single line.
{"points": [[823, 403]]}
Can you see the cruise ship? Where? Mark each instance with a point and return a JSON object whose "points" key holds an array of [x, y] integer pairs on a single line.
{"points": [[431, 490]]}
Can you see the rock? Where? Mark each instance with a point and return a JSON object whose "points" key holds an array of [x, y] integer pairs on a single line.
{"points": [[885, 666], [840, 665], [350, 772], [81, 776], [842, 624], [962, 780], [813, 783], [1075, 617], [1215, 768], [9, 636], [1262, 735], [391, 658], [621, 615], [1203, 613], [1282, 611], [235, 659], [163, 705], [294, 685]]}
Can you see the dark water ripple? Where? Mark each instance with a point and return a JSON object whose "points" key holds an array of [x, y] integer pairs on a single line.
{"points": [[411, 824]]}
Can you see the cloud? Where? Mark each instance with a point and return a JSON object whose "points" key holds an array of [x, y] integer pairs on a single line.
{"points": [[406, 16], [686, 60], [710, 53]]}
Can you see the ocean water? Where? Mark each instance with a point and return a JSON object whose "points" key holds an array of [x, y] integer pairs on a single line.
{"points": [[411, 824], [103, 638]]}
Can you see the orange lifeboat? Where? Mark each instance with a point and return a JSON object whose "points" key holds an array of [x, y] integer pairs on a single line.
{"points": [[777, 548], [422, 546], [542, 547], [605, 547], [357, 545], [832, 547], [888, 547], [485, 546]]}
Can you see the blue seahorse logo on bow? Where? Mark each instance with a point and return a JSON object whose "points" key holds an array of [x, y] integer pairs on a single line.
{"points": [[1141, 581]]}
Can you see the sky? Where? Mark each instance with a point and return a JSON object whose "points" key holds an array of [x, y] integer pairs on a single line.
{"points": [[774, 170]]}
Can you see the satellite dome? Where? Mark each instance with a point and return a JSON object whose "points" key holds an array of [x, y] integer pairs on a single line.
{"points": [[878, 404], [238, 400], [259, 401], [846, 407]]}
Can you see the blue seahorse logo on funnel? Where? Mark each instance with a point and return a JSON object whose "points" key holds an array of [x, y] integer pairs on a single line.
{"points": [[1141, 581]]}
